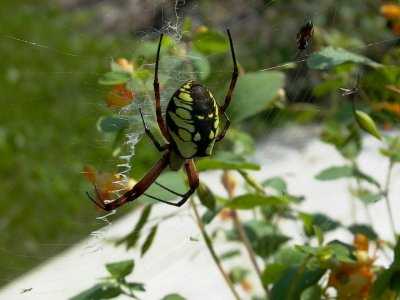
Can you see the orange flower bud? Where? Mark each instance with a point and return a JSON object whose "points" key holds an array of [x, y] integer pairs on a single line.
{"points": [[119, 96], [390, 11], [125, 64], [201, 29], [229, 182], [361, 242]]}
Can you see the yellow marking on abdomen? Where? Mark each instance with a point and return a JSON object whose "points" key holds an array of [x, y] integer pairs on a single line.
{"points": [[183, 113], [182, 123], [185, 96]]}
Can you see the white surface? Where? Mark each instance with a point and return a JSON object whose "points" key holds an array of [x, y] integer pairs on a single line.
{"points": [[177, 264]]}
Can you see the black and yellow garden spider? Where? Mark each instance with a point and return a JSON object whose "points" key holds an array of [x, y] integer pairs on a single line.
{"points": [[191, 129]]}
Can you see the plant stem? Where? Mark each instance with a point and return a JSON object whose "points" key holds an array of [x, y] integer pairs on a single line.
{"points": [[244, 239], [386, 192], [242, 233], [252, 182], [210, 247]]}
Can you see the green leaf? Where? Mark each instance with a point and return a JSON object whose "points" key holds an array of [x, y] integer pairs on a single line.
{"points": [[294, 281], [114, 78], [99, 291], [209, 215], [312, 293], [229, 254], [265, 239], [173, 180], [206, 196], [369, 198], [207, 164], [364, 229], [322, 221], [272, 273], [341, 251], [276, 183], [173, 297], [392, 148], [330, 57], [333, 173], [112, 124], [135, 286], [211, 42], [149, 240], [238, 274], [250, 201], [200, 64], [382, 283], [120, 269], [367, 124], [254, 93], [131, 239]]}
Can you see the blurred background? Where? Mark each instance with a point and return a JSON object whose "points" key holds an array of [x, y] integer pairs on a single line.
{"points": [[54, 52]]}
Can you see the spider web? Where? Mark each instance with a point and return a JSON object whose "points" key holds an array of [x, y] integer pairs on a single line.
{"points": [[172, 79]]}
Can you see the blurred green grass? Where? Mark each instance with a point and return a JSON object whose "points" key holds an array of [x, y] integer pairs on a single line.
{"points": [[50, 102]]}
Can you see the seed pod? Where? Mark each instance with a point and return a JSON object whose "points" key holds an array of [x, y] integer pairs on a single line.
{"points": [[367, 124], [229, 182]]}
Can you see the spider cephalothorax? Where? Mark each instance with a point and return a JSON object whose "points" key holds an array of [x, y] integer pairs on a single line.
{"points": [[191, 128]]}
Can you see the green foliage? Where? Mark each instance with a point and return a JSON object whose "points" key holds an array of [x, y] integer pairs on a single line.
{"points": [[114, 285], [206, 197], [330, 57], [254, 93], [149, 240], [112, 124], [173, 297], [132, 238], [230, 163], [294, 281], [364, 229], [210, 42], [250, 201], [276, 183], [114, 78], [388, 278]]}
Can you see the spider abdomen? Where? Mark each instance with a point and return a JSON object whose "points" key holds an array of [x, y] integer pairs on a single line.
{"points": [[192, 120]]}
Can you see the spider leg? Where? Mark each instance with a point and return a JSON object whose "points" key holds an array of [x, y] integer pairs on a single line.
{"points": [[168, 189], [235, 75], [193, 178], [221, 135], [156, 85], [138, 190], [151, 136]]}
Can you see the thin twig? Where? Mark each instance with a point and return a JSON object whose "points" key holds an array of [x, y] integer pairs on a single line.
{"points": [[210, 247], [244, 239], [386, 193], [243, 236]]}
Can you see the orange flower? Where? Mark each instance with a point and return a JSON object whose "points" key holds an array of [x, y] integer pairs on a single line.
{"points": [[107, 184], [119, 96], [246, 285], [225, 214], [390, 11], [353, 281], [388, 106], [125, 64]]}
